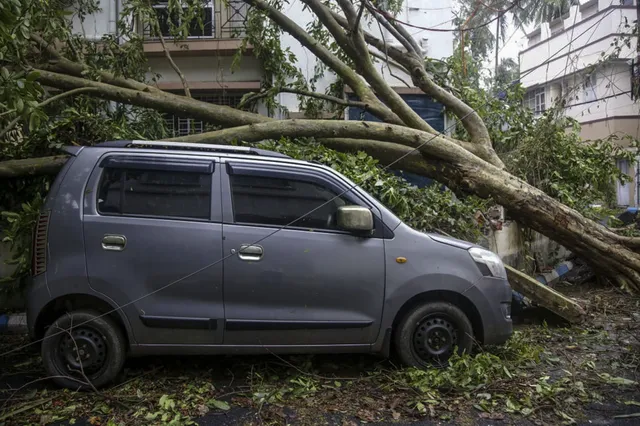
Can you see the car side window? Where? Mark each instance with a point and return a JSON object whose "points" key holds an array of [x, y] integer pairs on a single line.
{"points": [[280, 201], [161, 193]]}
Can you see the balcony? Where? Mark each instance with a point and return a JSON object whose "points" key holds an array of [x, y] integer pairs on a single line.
{"points": [[222, 31]]}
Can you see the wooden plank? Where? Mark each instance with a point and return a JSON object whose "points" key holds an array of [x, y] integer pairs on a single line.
{"points": [[545, 296]]}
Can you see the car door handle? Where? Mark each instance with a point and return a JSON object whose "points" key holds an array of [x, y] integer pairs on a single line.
{"points": [[250, 252], [114, 242]]}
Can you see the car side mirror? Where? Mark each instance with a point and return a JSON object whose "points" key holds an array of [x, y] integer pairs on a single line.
{"points": [[354, 219]]}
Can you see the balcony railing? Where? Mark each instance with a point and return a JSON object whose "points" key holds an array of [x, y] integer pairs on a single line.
{"points": [[221, 20]]}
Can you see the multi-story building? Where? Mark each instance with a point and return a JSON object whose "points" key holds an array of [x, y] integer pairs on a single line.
{"points": [[205, 57], [586, 58]]}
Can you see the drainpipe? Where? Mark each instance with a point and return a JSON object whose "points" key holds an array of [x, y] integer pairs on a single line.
{"points": [[495, 73], [117, 9], [637, 184], [636, 69]]}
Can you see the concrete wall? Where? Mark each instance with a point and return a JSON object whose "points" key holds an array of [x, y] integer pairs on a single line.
{"points": [[214, 69], [516, 249]]}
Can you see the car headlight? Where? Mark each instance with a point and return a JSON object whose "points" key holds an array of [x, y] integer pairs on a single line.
{"points": [[489, 263]]}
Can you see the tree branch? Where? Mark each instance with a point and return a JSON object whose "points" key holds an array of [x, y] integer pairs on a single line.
{"points": [[64, 65], [46, 102], [406, 42], [180, 105], [32, 166], [386, 59], [399, 32], [339, 101], [167, 54], [472, 122], [438, 146], [350, 77], [162, 101], [363, 61]]}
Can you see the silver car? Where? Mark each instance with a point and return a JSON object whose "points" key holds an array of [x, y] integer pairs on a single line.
{"points": [[165, 248]]}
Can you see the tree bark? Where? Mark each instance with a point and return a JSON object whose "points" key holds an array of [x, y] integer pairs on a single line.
{"points": [[32, 166], [545, 296]]}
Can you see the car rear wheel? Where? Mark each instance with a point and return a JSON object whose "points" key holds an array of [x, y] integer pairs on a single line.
{"points": [[431, 333], [82, 350]]}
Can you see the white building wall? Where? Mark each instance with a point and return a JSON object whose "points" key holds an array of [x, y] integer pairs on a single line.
{"points": [[574, 49], [575, 64], [611, 94]]}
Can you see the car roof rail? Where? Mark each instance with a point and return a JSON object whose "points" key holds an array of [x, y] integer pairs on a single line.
{"points": [[185, 146]]}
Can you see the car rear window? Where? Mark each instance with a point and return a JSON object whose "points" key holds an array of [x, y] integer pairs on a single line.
{"points": [[158, 193]]}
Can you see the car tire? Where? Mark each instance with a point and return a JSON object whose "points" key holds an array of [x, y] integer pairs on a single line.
{"points": [[97, 338], [428, 335]]}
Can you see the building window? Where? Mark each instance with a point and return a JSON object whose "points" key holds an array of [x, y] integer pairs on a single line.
{"points": [[557, 29], [589, 87], [590, 11], [275, 201], [535, 100], [165, 19], [182, 126], [534, 39], [157, 193]]}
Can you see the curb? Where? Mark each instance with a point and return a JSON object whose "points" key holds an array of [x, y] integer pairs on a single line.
{"points": [[548, 278], [14, 324]]}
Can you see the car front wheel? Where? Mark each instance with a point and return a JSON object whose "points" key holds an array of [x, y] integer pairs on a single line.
{"points": [[83, 350], [429, 334]]}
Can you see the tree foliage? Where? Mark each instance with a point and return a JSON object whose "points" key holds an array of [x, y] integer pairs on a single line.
{"points": [[546, 151]]}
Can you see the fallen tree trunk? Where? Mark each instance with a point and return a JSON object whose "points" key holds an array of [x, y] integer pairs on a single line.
{"points": [[545, 296], [32, 166]]}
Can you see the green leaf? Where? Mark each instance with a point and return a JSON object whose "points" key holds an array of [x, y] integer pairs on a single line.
{"points": [[220, 405], [506, 371], [607, 378], [34, 122], [33, 75]]}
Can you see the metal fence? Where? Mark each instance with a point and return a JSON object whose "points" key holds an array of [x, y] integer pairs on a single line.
{"points": [[220, 19]]}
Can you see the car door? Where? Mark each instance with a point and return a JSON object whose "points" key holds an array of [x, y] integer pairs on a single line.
{"points": [[308, 283], [153, 244]]}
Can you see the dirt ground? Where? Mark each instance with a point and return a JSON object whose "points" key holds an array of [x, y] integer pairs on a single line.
{"points": [[548, 373]]}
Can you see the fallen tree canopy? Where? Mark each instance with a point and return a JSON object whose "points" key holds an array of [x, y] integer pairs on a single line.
{"points": [[55, 59]]}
